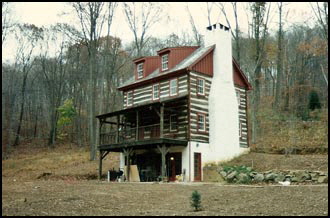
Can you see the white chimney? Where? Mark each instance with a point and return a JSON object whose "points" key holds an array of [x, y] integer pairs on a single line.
{"points": [[223, 107]]}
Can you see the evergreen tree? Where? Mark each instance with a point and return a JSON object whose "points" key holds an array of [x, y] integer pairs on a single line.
{"points": [[314, 101], [196, 200]]}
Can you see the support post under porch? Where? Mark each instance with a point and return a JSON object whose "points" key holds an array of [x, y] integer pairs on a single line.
{"points": [[163, 150], [102, 155], [127, 154]]}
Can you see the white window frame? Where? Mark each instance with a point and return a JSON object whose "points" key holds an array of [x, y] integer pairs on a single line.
{"points": [[127, 99], [171, 121], [204, 123], [165, 62], [153, 91], [176, 87], [139, 69], [198, 86], [238, 94]]}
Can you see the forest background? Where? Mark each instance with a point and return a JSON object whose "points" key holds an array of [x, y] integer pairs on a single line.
{"points": [[60, 71]]}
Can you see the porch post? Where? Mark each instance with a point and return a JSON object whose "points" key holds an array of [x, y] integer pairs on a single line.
{"points": [[127, 153], [163, 150], [100, 164], [137, 126], [100, 132], [117, 135], [161, 121]]}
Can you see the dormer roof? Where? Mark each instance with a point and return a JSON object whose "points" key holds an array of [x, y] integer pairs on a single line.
{"points": [[187, 64]]}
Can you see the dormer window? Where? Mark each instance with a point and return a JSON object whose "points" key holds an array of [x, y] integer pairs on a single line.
{"points": [[140, 70], [165, 62]]}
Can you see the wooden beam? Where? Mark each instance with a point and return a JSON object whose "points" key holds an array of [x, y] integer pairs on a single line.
{"points": [[100, 164], [137, 126], [100, 128], [157, 111], [117, 135], [161, 121], [163, 150], [105, 154], [110, 122], [127, 153]]}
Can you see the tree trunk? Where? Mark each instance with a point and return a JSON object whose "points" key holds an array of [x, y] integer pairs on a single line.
{"points": [[279, 79], [22, 112]]}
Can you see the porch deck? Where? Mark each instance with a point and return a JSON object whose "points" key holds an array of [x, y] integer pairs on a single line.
{"points": [[141, 144]]}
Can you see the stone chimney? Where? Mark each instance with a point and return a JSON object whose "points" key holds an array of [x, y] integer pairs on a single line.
{"points": [[223, 107]]}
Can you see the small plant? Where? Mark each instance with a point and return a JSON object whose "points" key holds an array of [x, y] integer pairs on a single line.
{"points": [[196, 200]]}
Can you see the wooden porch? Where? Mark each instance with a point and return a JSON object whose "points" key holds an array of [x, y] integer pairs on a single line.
{"points": [[144, 127]]}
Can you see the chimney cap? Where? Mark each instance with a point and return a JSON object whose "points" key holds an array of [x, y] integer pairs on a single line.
{"points": [[220, 25]]}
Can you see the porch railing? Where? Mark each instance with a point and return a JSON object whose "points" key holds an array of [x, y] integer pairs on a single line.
{"points": [[130, 134]]}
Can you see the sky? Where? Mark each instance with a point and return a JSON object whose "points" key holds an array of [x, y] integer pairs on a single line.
{"points": [[48, 13]]}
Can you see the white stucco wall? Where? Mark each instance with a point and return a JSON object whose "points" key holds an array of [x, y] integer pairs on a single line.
{"points": [[223, 107]]}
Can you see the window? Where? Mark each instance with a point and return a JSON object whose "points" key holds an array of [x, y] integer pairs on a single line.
{"points": [[173, 87], [173, 122], [238, 95], [129, 98], [200, 86], [201, 122], [140, 70], [155, 92], [240, 129], [165, 62]]}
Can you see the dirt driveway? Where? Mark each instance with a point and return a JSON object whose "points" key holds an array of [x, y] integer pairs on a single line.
{"points": [[91, 197]]}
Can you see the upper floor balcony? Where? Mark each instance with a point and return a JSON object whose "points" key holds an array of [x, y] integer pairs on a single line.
{"points": [[145, 124]]}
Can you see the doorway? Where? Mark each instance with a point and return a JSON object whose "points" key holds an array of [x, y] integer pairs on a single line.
{"points": [[174, 165], [197, 167]]}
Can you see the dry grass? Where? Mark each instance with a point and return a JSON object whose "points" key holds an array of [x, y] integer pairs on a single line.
{"points": [[264, 162], [30, 161], [278, 131]]}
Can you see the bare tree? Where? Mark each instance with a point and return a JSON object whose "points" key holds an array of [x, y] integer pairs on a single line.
{"points": [[53, 71], [141, 19], [279, 58], [91, 22], [260, 30], [321, 13], [235, 34], [28, 36], [7, 23], [197, 36]]}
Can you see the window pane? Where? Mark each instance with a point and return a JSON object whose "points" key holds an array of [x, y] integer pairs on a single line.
{"points": [[201, 122], [156, 91], [238, 95], [173, 87], [165, 62], [140, 70], [129, 98], [200, 86]]}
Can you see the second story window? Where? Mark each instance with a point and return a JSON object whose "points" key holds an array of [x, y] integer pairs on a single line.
{"points": [[155, 92], [173, 87], [238, 95], [200, 86], [165, 62], [201, 122], [130, 98], [140, 70]]}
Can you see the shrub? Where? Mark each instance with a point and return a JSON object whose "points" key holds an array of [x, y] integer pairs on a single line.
{"points": [[196, 200]]}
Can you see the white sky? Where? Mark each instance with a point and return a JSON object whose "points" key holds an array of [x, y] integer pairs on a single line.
{"points": [[47, 13]]}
